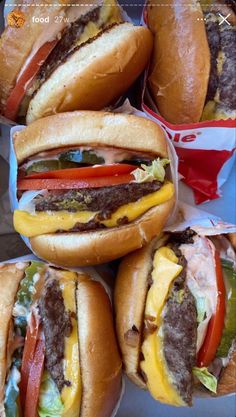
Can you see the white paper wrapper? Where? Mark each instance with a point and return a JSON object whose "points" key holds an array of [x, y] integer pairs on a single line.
{"points": [[202, 222], [206, 150], [127, 109], [96, 277]]}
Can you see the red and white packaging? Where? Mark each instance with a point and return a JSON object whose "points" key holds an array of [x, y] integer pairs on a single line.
{"points": [[206, 150]]}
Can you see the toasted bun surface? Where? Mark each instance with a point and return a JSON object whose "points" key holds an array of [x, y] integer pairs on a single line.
{"points": [[16, 43], [10, 277], [227, 382], [130, 299], [99, 357], [90, 128], [96, 74], [92, 248], [181, 59]]}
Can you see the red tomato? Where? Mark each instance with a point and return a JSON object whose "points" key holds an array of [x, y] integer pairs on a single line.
{"points": [[34, 381], [85, 172], [18, 92], [67, 184], [28, 356], [215, 328]]}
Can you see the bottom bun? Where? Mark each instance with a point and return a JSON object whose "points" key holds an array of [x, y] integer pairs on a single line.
{"points": [[101, 366], [227, 382], [92, 248]]}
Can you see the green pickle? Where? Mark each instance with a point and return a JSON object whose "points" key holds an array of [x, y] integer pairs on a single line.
{"points": [[49, 165], [229, 331], [24, 295]]}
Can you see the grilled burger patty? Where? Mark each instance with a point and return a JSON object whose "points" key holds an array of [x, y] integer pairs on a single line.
{"points": [[180, 332], [66, 45], [56, 326], [106, 200], [221, 40]]}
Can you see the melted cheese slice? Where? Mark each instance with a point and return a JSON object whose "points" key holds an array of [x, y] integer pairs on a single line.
{"points": [[109, 14], [50, 222], [71, 396], [159, 381]]}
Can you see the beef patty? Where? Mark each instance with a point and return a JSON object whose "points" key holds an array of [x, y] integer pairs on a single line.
{"points": [[56, 326], [180, 332], [221, 38], [105, 200]]}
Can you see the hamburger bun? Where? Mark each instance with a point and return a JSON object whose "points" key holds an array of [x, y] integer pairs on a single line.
{"points": [[16, 43], [97, 129], [92, 248], [132, 283], [226, 383], [178, 90], [91, 129], [94, 74], [193, 81], [99, 359], [10, 277]]}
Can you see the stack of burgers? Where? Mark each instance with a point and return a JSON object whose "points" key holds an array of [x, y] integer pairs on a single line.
{"points": [[94, 186]]}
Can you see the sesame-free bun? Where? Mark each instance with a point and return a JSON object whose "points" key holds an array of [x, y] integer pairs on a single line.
{"points": [[16, 43], [227, 382], [94, 74], [131, 288], [130, 299], [99, 356], [97, 247], [99, 359], [179, 90], [90, 128], [10, 277]]}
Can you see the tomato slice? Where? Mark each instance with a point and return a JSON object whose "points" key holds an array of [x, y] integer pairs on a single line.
{"points": [[34, 381], [85, 172], [67, 184], [216, 324], [28, 356], [18, 92]]}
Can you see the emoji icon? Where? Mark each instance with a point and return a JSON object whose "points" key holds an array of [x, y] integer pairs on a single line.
{"points": [[16, 19]]}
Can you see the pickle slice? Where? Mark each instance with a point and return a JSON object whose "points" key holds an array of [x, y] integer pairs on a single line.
{"points": [[49, 165], [229, 331]]}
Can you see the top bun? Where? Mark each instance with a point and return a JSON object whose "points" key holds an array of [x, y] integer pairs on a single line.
{"points": [[95, 74], [90, 128], [16, 43], [180, 68]]}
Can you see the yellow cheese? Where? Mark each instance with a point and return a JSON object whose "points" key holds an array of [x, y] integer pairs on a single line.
{"points": [[109, 14], [209, 111], [159, 381], [135, 210], [49, 222], [71, 395]]}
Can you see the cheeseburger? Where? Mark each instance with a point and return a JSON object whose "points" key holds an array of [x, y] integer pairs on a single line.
{"points": [[68, 57], [175, 305], [92, 186], [57, 358], [192, 74]]}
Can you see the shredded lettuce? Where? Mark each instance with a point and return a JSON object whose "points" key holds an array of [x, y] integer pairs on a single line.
{"points": [[201, 309], [206, 378], [12, 393], [50, 403], [155, 171]]}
